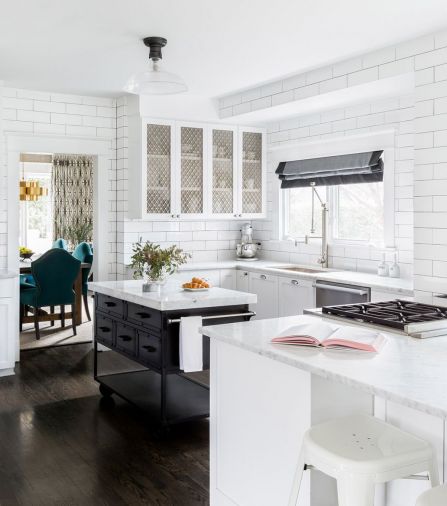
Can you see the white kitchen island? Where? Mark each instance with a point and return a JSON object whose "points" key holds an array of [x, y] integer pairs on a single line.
{"points": [[264, 397]]}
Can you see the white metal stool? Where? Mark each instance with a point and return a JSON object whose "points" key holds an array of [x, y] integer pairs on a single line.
{"points": [[435, 497], [360, 451]]}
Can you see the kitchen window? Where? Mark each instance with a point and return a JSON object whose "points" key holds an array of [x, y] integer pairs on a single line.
{"points": [[356, 213]]}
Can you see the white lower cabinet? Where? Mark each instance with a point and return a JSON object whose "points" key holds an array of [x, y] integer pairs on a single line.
{"points": [[378, 296], [8, 325], [228, 279], [265, 287], [294, 295], [242, 282]]}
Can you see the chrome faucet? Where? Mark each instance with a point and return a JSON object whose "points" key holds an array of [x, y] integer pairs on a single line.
{"points": [[323, 260]]}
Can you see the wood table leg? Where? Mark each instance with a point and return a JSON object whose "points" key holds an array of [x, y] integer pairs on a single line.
{"points": [[78, 298]]}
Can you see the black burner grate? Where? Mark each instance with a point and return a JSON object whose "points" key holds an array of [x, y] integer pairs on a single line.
{"points": [[396, 313]]}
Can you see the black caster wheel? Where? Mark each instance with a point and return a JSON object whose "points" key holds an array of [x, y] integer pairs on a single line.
{"points": [[105, 391]]}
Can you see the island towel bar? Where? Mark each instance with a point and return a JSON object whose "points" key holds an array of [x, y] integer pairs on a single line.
{"points": [[212, 317]]}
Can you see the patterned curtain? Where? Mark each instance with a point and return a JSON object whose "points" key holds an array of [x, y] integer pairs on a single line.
{"points": [[72, 188]]}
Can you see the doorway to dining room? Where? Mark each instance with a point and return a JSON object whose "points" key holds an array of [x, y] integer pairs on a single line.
{"points": [[56, 211], [104, 200]]}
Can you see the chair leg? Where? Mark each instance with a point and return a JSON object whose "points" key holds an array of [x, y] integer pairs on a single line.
{"points": [[52, 312], [87, 310], [62, 316], [296, 484], [36, 322], [73, 318], [357, 491]]}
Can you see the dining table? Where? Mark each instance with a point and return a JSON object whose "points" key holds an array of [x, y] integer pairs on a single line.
{"points": [[25, 268]]}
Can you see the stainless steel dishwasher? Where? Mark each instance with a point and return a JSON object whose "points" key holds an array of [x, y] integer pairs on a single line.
{"points": [[329, 293]]}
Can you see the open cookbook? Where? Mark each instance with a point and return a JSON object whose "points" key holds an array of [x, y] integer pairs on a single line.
{"points": [[328, 336]]}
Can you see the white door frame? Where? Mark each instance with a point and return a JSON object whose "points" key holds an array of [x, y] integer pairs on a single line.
{"points": [[29, 143]]}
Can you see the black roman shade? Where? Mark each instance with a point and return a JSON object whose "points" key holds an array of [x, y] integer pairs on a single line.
{"points": [[332, 170]]}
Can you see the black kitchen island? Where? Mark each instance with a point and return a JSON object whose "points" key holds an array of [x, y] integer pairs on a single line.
{"points": [[143, 329]]}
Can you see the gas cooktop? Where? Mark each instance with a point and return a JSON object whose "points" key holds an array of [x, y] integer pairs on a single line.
{"points": [[398, 314]]}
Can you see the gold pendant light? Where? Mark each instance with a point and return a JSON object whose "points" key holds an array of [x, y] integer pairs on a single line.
{"points": [[31, 190]]}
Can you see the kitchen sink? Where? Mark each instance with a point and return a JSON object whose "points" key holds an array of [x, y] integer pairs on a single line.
{"points": [[295, 268]]}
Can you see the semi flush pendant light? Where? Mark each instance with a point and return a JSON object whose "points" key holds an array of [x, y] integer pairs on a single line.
{"points": [[155, 80]]}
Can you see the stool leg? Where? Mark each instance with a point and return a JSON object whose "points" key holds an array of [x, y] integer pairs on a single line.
{"points": [[355, 491], [293, 498], [433, 473]]}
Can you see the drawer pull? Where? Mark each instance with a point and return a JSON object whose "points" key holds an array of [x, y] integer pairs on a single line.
{"points": [[149, 348], [104, 329], [143, 315], [263, 276], [110, 304], [125, 338], [295, 282]]}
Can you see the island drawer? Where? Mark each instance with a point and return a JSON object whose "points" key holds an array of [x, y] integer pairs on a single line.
{"points": [[142, 315], [104, 330], [149, 349], [126, 339], [109, 304]]}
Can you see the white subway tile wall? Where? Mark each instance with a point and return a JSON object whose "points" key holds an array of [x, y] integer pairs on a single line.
{"points": [[426, 57], [396, 113], [36, 112]]}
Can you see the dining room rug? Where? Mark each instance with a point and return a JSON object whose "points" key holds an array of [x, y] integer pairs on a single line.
{"points": [[56, 336]]}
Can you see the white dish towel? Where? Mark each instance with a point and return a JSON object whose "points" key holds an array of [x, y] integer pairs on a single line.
{"points": [[191, 344]]}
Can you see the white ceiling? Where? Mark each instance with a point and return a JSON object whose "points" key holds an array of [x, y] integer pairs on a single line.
{"points": [[217, 46]]}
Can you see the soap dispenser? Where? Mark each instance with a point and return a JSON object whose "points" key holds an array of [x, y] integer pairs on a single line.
{"points": [[382, 268], [394, 268]]}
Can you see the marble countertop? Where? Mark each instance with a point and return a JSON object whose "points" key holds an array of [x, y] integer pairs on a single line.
{"points": [[408, 371], [5, 274], [396, 285], [171, 298]]}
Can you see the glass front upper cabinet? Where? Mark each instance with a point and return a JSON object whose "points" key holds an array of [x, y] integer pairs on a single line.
{"points": [[158, 169], [222, 171], [191, 170], [252, 170]]}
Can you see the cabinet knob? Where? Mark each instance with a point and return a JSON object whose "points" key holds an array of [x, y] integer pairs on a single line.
{"points": [[104, 329], [240, 216], [125, 338], [178, 216], [245, 273], [263, 276], [172, 215], [110, 304], [295, 282], [149, 348]]}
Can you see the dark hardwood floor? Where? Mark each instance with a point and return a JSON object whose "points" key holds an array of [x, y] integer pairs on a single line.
{"points": [[59, 445]]}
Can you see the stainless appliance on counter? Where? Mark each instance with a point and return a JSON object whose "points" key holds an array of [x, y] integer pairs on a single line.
{"points": [[247, 248], [328, 293]]}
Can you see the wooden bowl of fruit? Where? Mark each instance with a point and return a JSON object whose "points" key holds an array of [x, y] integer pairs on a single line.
{"points": [[196, 285]]}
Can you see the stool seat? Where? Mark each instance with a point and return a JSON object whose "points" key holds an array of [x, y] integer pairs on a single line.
{"points": [[360, 451], [364, 444], [435, 497]]}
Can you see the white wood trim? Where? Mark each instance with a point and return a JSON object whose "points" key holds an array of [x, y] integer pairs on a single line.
{"points": [[99, 148]]}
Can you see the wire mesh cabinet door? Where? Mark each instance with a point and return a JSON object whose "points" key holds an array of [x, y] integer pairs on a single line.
{"points": [[158, 174], [252, 176], [223, 179], [191, 150]]}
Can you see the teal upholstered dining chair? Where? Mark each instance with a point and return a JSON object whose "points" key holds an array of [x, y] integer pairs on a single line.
{"points": [[54, 274], [83, 252], [60, 243]]}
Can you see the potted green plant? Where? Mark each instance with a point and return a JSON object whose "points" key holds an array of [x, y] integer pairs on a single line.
{"points": [[154, 264]]}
